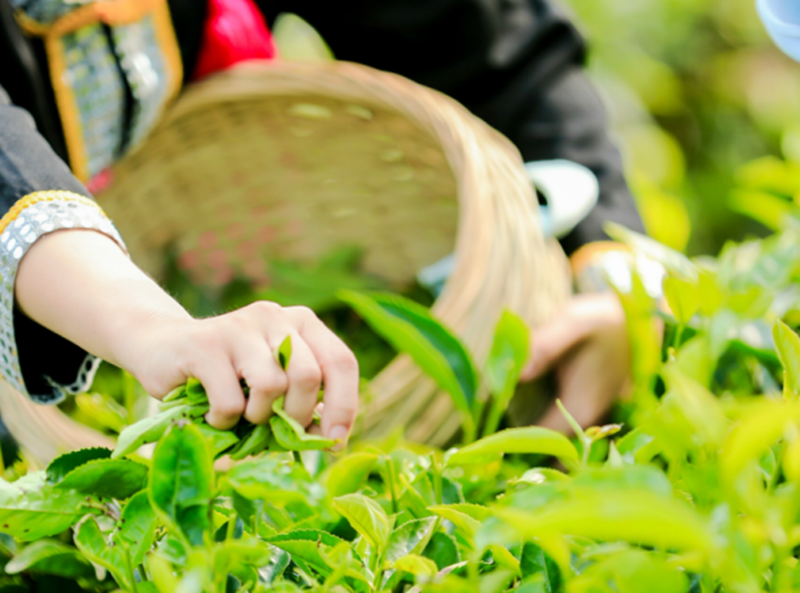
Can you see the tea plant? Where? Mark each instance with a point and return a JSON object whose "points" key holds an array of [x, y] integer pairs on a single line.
{"points": [[697, 489]]}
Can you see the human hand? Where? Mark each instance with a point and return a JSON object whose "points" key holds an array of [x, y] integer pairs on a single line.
{"points": [[109, 307], [587, 345], [219, 351]]}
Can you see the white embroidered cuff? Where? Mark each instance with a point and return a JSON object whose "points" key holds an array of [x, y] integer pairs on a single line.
{"points": [[29, 219]]}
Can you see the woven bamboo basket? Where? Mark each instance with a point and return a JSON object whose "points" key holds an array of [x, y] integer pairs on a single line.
{"points": [[290, 160]]}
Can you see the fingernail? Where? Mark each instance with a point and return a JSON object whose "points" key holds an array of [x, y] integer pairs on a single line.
{"points": [[339, 434]]}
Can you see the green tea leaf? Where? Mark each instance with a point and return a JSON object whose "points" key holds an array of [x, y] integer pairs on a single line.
{"points": [[195, 392], [366, 517], [416, 565], [411, 537], [496, 581], [541, 475], [92, 544], [632, 477], [40, 512], [305, 545], [699, 407], [768, 209], [642, 446], [148, 430], [177, 393], [219, 440], [349, 473], [791, 461], [171, 548], [764, 423], [476, 511], [508, 355], [162, 574], [639, 517], [696, 360], [534, 584], [299, 41], [181, 482], [290, 435], [530, 439], [240, 552], [410, 328], [645, 335], [113, 478], [49, 556], [534, 561], [137, 527], [273, 481], [64, 464], [683, 298], [417, 496], [254, 443], [504, 559], [711, 296], [464, 523], [101, 410], [633, 571], [788, 345], [284, 352], [599, 433], [443, 550], [275, 567], [308, 535]]}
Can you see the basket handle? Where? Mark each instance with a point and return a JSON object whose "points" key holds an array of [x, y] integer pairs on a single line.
{"points": [[571, 191]]}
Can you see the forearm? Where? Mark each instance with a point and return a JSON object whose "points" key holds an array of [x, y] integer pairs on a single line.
{"points": [[81, 285]]}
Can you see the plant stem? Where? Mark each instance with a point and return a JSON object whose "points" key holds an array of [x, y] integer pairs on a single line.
{"points": [[131, 572], [378, 581], [472, 572], [129, 394], [780, 576], [586, 446], [256, 519], [676, 340], [437, 478], [231, 531], [390, 480], [468, 428], [496, 411]]}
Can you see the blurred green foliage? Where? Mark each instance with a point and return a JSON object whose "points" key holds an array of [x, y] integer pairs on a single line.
{"points": [[696, 89]]}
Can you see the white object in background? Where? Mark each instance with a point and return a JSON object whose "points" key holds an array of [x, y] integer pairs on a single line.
{"points": [[782, 20], [571, 191]]}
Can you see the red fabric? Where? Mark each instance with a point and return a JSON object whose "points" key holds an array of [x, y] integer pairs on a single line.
{"points": [[234, 31]]}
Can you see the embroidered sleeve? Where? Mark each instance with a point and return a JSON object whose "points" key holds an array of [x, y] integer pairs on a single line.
{"points": [[32, 359]]}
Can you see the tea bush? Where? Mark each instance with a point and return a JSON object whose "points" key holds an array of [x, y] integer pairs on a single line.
{"points": [[697, 489]]}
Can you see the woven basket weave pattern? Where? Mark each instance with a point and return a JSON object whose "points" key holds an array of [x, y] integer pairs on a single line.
{"points": [[289, 160], [289, 178]]}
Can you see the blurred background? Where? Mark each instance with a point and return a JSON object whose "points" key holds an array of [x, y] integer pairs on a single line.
{"points": [[695, 90]]}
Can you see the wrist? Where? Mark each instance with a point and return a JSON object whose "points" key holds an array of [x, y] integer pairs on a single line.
{"points": [[138, 336], [105, 304]]}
